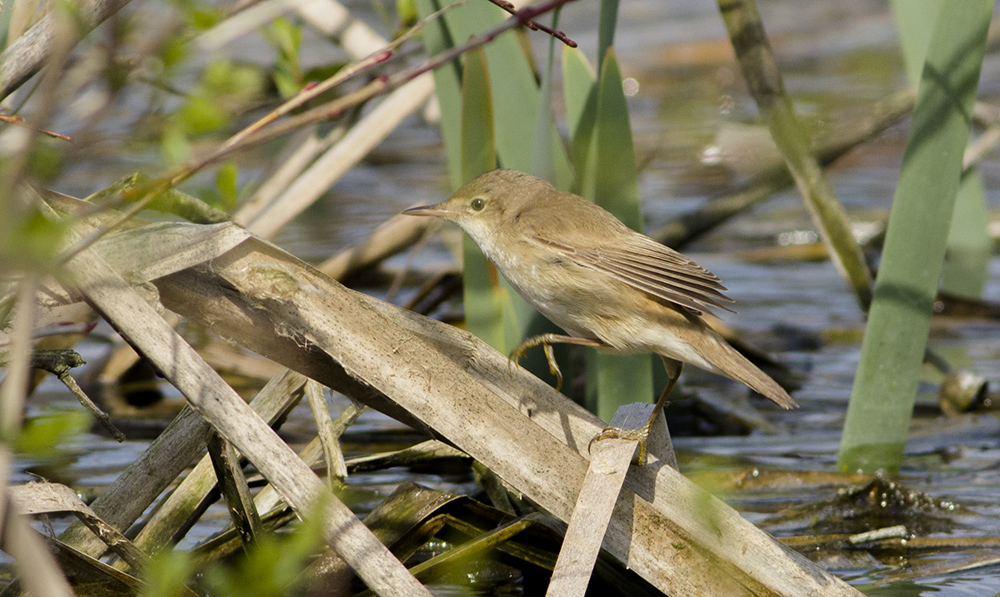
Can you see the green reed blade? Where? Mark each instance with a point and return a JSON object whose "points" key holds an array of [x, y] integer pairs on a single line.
{"points": [[878, 416], [966, 264], [484, 297], [613, 184]]}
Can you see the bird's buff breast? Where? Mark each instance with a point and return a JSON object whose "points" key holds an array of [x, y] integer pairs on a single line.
{"points": [[553, 286], [584, 302]]}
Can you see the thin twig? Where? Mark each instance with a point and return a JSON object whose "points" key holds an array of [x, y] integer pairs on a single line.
{"points": [[556, 33], [19, 121], [334, 456], [87, 403], [308, 93], [59, 363]]}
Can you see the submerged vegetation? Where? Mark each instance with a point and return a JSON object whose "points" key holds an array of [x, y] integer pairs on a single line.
{"points": [[223, 122]]}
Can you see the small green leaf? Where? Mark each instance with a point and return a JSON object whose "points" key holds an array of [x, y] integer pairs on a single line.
{"points": [[272, 566], [41, 236], [166, 573], [199, 15], [286, 38], [31, 241], [407, 11], [226, 182], [204, 19], [201, 115], [173, 52], [233, 82], [175, 145], [46, 159]]}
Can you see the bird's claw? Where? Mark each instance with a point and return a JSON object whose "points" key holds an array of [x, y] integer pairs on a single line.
{"points": [[550, 357], [639, 435], [516, 354]]}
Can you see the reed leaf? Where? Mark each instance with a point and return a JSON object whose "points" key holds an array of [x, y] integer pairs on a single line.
{"points": [[878, 416], [546, 140], [516, 94], [611, 182], [606, 27], [485, 299], [447, 87], [966, 262], [580, 90], [477, 139]]}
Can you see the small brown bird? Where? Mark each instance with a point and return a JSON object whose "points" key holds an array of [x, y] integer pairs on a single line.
{"points": [[610, 287]]}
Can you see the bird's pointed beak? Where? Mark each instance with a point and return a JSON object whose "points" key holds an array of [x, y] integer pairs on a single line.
{"points": [[426, 210]]}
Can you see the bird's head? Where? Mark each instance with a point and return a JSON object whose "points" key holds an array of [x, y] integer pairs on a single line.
{"points": [[487, 204]]}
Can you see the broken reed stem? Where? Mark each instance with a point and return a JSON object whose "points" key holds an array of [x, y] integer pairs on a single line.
{"points": [[336, 470], [753, 52]]}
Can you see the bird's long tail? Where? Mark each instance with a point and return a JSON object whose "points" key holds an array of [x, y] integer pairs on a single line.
{"points": [[736, 366]]}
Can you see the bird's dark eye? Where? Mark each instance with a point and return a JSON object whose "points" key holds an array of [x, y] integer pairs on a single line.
{"points": [[478, 204]]}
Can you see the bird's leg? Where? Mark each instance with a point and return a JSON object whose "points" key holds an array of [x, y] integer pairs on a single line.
{"points": [[642, 434], [550, 358], [546, 341]]}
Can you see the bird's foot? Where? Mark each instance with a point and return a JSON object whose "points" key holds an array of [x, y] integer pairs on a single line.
{"points": [[550, 357], [517, 354], [640, 435]]}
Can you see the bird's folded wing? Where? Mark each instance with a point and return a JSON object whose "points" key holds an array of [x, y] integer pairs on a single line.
{"points": [[643, 263]]}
